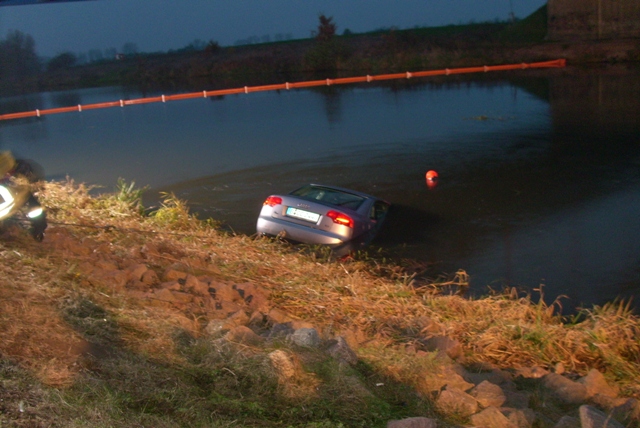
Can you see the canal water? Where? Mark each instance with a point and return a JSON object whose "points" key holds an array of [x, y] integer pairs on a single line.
{"points": [[539, 170]]}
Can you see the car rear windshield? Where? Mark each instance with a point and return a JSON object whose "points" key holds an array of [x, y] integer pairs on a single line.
{"points": [[330, 196]]}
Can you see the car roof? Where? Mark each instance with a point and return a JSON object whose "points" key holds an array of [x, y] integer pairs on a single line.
{"points": [[342, 189]]}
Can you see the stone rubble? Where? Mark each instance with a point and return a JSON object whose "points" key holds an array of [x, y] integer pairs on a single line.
{"points": [[487, 396]]}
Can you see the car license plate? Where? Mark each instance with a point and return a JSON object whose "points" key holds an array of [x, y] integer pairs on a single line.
{"points": [[302, 214]]}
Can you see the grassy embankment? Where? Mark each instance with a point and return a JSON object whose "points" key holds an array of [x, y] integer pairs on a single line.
{"points": [[76, 350]]}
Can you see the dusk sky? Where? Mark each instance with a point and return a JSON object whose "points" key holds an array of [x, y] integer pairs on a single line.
{"points": [[160, 25]]}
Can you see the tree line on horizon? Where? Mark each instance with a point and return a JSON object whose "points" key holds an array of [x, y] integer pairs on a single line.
{"points": [[19, 58], [22, 70], [19, 62]]}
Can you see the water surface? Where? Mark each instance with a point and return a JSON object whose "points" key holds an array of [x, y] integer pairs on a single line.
{"points": [[539, 173]]}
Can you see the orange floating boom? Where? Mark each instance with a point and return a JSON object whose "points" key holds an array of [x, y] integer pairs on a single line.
{"points": [[276, 87]]}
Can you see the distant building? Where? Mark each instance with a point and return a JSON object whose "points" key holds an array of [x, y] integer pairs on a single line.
{"points": [[593, 19]]}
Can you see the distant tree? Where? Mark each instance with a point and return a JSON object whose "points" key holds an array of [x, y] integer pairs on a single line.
{"points": [[62, 61], [212, 47], [254, 40], [198, 45], [326, 28], [347, 32], [18, 58], [329, 52]]}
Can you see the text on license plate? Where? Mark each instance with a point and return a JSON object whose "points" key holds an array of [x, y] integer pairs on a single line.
{"points": [[302, 214]]}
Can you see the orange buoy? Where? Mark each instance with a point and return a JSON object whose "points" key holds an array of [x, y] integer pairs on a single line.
{"points": [[432, 179]]}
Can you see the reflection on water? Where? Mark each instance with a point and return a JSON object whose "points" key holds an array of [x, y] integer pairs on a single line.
{"points": [[66, 99], [539, 181], [19, 104]]}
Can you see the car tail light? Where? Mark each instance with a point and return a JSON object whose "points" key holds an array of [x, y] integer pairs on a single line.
{"points": [[272, 201], [340, 218]]}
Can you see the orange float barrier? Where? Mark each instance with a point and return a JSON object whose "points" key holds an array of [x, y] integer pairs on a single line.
{"points": [[295, 85]]}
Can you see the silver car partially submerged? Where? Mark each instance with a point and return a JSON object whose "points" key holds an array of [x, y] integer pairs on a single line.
{"points": [[327, 215]]}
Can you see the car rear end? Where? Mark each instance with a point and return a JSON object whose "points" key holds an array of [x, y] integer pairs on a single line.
{"points": [[314, 214], [304, 221]]}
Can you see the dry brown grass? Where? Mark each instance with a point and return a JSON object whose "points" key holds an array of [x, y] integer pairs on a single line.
{"points": [[373, 302], [31, 329]]}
